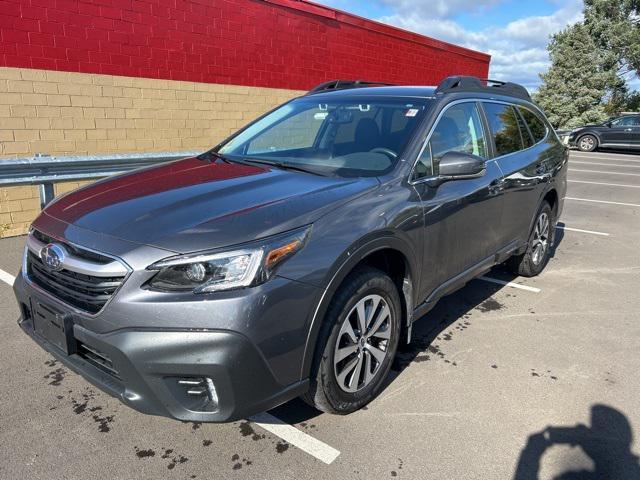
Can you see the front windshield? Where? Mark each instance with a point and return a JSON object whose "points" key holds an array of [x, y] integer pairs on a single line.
{"points": [[360, 136]]}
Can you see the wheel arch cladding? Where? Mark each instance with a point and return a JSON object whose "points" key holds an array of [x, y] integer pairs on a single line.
{"points": [[396, 259], [551, 197]]}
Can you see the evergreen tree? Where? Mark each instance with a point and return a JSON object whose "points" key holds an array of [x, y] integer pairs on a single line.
{"points": [[615, 27], [580, 80]]}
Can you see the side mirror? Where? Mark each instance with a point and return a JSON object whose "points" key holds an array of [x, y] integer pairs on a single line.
{"points": [[461, 165], [458, 166], [608, 124]]}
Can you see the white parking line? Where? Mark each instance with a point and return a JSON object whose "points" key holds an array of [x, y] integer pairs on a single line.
{"points": [[292, 435], [602, 201], [7, 277], [582, 231], [608, 173], [605, 164], [602, 183], [288, 433], [510, 284]]}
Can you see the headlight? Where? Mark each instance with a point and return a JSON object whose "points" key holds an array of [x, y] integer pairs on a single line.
{"points": [[213, 271]]}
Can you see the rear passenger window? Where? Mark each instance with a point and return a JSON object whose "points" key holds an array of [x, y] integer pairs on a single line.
{"points": [[524, 131], [536, 126], [458, 130], [505, 129]]}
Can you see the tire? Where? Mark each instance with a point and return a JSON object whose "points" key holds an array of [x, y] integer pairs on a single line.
{"points": [[587, 143], [331, 389], [539, 247]]}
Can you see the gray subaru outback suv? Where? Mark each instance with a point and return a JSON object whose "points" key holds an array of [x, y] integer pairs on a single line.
{"points": [[291, 259]]}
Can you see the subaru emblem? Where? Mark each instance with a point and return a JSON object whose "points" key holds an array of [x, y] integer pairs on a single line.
{"points": [[53, 255]]}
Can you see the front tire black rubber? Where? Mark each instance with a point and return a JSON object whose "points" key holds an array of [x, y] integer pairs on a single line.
{"points": [[587, 143], [325, 393], [525, 264]]}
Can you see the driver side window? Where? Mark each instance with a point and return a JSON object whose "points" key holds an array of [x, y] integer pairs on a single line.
{"points": [[624, 122], [458, 130]]}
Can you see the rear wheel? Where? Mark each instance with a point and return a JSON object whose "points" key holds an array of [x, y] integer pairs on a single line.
{"points": [[538, 252], [357, 343], [587, 143]]}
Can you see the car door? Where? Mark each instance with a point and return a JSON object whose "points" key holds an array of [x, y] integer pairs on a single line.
{"points": [[461, 217], [524, 166], [618, 132], [633, 132]]}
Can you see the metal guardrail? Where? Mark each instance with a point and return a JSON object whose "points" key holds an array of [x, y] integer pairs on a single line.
{"points": [[45, 170]]}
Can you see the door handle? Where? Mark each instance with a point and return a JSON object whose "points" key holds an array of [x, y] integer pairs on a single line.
{"points": [[628, 129]]}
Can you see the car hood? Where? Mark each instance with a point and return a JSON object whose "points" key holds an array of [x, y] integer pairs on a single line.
{"points": [[194, 204], [587, 126]]}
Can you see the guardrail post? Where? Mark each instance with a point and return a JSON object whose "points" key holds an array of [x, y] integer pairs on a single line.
{"points": [[47, 193]]}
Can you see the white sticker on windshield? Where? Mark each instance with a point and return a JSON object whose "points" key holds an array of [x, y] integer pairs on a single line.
{"points": [[320, 115], [412, 112]]}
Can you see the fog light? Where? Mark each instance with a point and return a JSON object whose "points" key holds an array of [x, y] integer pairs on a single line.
{"points": [[198, 394]]}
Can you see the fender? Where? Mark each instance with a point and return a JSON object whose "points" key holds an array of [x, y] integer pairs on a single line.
{"points": [[551, 186], [588, 131], [346, 262]]}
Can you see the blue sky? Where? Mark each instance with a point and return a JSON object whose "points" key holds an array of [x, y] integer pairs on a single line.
{"points": [[514, 32]]}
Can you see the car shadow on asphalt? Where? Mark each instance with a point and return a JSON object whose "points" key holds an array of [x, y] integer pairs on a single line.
{"points": [[607, 442], [433, 329]]}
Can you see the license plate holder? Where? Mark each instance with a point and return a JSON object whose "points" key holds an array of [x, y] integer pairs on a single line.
{"points": [[54, 326]]}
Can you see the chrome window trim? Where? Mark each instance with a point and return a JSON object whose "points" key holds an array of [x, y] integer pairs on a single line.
{"points": [[60, 301], [471, 100]]}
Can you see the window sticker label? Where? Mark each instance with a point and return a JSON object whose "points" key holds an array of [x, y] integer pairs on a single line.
{"points": [[412, 112], [320, 115]]}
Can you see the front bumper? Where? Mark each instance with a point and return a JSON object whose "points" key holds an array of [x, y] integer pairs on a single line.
{"points": [[567, 139], [147, 362]]}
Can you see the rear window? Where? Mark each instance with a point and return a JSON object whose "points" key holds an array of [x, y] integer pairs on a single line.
{"points": [[536, 126], [505, 128]]}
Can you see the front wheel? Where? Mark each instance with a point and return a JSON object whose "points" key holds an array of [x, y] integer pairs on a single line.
{"points": [[587, 143], [357, 343], [538, 252]]}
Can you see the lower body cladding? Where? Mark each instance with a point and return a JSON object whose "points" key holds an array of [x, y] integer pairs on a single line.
{"points": [[192, 375]]}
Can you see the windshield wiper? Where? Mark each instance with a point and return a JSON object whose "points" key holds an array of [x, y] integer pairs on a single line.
{"points": [[282, 165], [216, 155]]}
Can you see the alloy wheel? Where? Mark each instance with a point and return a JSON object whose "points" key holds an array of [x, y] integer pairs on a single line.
{"points": [[362, 344], [540, 238], [587, 143]]}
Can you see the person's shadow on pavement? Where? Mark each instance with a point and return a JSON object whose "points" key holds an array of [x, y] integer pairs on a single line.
{"points": [[608, 443]]}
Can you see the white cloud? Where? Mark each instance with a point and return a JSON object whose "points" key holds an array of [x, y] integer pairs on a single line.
{"points": [[440, 8], [518, 50]]}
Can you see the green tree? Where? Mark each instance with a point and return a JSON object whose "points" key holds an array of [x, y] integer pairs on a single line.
{"points": [[580, 81], [615, 27]]}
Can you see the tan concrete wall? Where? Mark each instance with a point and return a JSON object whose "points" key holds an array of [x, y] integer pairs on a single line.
{"points": [[62, 113]]}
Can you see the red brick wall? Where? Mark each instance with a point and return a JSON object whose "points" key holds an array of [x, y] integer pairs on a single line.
{"points": [[270, 43]]}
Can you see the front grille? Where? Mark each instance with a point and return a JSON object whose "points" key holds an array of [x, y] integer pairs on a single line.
{"points": [[97, 358], [86, 292], [72, 249]]}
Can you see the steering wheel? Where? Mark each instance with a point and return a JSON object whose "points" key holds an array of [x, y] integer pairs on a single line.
{"points": [[386, 151]]}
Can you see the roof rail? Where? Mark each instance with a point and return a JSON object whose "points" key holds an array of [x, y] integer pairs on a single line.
{"points": [[475, 84], [345, 84]]}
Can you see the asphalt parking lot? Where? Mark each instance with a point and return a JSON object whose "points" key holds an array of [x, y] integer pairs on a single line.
{"points": [[528, 380]]}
